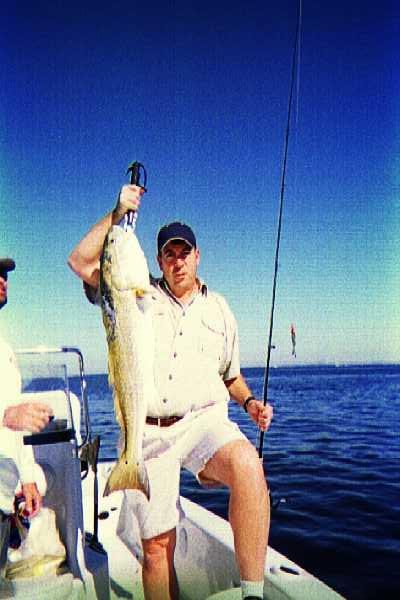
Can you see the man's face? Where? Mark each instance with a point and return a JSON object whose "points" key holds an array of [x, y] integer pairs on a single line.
{"points": [[178, 263], [3, 288]]}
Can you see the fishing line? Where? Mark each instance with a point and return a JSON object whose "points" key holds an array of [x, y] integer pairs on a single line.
{"points": [[295, 63], [298, 68]]}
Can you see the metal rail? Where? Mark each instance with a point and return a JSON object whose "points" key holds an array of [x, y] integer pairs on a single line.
{"points": [[38, 350]]}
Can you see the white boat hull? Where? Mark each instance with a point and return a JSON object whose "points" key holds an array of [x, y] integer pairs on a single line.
{"points": [[100, 565]]}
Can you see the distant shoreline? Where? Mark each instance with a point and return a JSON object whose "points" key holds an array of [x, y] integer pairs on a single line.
{"points": [[306, 366], [332, 365]]}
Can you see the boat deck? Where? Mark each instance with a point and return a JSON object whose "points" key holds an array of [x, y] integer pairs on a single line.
{"points": [[204, 558]]}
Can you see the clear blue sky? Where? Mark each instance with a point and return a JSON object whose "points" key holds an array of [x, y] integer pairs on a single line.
{"points": [[198, 91]]}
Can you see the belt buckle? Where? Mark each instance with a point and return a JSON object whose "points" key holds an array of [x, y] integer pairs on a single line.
{"points": [[158, 421]]}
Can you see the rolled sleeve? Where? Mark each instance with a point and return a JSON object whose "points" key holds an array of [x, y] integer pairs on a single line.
{"points": [[12, 448], [92, 294], [26, 463], [233, 365], [232, 356]]}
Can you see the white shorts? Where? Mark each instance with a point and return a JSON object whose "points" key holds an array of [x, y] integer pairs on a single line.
{"points": [[189, 443], [9, 478]]}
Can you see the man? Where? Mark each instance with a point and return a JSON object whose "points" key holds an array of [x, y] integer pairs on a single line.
{"points": [[196, 370], [16, 460]]}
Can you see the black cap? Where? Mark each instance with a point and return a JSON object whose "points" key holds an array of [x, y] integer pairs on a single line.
{"points": [[175, 231], [6, 264]]}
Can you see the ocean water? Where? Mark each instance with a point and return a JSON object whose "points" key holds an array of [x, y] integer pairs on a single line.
{"points": [[331, 458]]}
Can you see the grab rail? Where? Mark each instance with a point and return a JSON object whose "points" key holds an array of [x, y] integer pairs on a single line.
{"points": [[83, 387]]}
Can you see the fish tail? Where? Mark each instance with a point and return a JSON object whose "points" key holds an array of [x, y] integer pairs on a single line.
{"points": [[128, 476]]}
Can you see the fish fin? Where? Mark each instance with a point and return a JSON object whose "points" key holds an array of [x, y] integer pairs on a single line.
{"points": [[126, 476]]}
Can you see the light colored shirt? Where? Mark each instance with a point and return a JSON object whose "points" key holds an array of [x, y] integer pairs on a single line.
{"points": [[196, 350], [11, 442]]}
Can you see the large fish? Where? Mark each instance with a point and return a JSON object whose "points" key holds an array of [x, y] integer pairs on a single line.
{"points": [[126, 308]]}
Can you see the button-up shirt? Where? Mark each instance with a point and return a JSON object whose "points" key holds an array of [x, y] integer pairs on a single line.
{"points": [[196, 349]]}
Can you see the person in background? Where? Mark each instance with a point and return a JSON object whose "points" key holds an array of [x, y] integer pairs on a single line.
{"points": [[196, 371], [17, 463]]}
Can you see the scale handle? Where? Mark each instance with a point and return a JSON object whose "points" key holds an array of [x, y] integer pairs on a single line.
{"points": [[135, 169]]}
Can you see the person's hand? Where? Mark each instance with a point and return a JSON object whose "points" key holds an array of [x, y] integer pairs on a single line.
{"points": [[27, 416], [261, 415], [33, 499], [128, 199]]}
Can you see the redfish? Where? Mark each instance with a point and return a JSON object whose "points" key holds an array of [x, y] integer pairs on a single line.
{"points": [[127, 317]]}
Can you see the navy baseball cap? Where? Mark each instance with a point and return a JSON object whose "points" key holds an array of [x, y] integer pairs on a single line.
{"points": [[175, 231], [7, 264]]}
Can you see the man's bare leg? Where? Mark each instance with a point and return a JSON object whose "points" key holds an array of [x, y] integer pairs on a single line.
{"points": [[237, 465], [159, 576]]}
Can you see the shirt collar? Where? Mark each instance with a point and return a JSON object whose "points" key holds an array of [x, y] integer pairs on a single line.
{"points": [[202, 289]]}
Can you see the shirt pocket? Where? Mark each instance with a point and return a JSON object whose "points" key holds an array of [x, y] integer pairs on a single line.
{"points": [[163, 335], [212, 343]]}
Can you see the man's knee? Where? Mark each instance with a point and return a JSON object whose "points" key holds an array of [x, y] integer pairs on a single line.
{"points": [[235, 463], [159, 548], [245, 463]]}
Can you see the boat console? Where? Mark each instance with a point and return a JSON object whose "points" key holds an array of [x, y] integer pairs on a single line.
{"points": [[58, 450]]}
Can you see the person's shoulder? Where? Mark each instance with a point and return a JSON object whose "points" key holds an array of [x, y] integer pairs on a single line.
{"points": [[157, 291], [216, 297], [155, 281], [221, 302], [5, 349]]}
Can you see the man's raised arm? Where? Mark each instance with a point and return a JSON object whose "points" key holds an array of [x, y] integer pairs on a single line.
{"points": [[84, 259]]}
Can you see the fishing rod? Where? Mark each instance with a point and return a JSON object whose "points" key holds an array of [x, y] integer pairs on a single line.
{"points": [[278, 237]]}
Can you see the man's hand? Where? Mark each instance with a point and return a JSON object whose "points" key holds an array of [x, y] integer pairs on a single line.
{"points": [[28, 416], [128, 199], [33, 499], [261, 415]]}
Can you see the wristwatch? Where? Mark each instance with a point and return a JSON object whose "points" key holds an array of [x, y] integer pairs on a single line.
{"points": [[245, 403]]}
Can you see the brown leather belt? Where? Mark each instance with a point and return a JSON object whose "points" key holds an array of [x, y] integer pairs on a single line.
{"points": [[162, 421]]}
